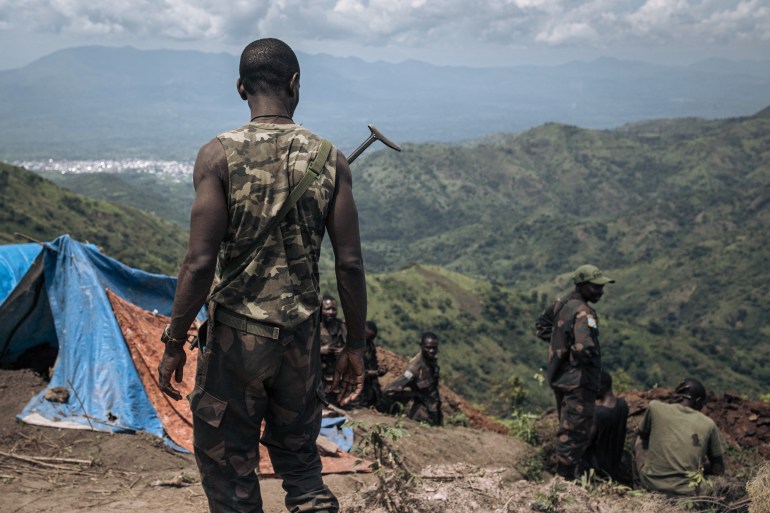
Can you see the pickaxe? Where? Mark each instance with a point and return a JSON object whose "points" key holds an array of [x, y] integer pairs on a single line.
{"points": [[376, 135]]}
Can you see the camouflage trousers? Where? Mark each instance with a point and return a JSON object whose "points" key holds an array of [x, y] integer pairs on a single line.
{"points": [[576, 415], [241, 380], [421, 412]]}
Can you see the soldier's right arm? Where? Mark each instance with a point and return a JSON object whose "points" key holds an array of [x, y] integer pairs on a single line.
{"points": [[404, 384], [645, 427]]}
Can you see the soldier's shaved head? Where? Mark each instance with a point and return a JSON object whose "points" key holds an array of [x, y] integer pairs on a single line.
{"points": [[692, 392], [267, 66]]}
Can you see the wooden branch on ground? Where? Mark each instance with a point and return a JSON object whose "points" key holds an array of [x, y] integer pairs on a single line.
{"points": [[45, 461]]}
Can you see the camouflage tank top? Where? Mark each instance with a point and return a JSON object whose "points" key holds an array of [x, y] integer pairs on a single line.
{"points": [[265, 162]]}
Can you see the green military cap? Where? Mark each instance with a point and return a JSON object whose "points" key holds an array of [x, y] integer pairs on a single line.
{"points": [[592, 274]]}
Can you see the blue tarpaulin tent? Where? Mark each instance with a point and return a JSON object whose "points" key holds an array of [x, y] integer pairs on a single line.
{"points": [[61, 303]]}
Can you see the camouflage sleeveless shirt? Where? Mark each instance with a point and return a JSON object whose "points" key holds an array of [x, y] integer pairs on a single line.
{"points": [[265, 162]]}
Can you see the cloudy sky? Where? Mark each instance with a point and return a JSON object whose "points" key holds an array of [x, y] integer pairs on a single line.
{"points": [[463, 32]]}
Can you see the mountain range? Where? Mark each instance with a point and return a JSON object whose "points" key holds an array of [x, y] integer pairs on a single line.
{"points": [[107, 102]]}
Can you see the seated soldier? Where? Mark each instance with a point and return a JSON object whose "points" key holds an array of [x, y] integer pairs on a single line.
{"points": [[372, 394], [608, 432], [676, 441], [334, 335], [417, 387]]}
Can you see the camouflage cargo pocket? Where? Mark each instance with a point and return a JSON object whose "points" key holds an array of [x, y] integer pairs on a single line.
{"points": [[207, 407]]}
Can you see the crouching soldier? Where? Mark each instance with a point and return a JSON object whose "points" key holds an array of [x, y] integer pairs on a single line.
{"points": [[417, 387]]}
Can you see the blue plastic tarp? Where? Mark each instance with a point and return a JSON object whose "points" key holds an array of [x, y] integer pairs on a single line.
{"points": [[331, 428], [15, 261], [94, 364]]}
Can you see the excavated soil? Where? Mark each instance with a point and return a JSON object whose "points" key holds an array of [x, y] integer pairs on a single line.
{"points": [[452, 469], [62, 470]]}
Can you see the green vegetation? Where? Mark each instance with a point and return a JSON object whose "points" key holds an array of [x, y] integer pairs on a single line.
{"points": [[487, 339], [377, 442], [39, 209], [552, 499], [168, 197], [473, 241], [675, 210]]}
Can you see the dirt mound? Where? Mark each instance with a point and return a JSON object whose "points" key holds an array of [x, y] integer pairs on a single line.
{"points": [[453, 406], [61, 470], [463, 488], [745, 424], [458, 469]]}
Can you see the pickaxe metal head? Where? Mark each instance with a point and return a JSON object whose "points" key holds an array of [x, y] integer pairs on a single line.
{"points": [[375, 135]]}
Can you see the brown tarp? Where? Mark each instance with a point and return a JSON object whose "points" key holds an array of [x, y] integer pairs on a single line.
{"points": [[141, 331]]}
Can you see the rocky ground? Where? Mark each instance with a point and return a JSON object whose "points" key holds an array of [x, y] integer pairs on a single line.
{"points": [[451, 469]]}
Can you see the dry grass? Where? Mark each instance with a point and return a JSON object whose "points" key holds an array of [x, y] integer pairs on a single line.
{"points": [[759, 491]]}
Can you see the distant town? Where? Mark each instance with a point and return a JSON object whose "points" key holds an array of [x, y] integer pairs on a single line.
{"points": [[170, 168]]}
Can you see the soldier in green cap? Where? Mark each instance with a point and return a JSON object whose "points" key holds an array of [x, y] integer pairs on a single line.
{"points": [[574, 366]]}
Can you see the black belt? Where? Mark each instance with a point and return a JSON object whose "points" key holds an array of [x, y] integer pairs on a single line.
{"points": [[242, 323]]}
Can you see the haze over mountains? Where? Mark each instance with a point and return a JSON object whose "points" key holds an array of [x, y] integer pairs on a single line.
{"points": [[105, 102]]}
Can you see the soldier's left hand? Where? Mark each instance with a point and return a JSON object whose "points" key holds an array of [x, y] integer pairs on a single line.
{"points": [[349, 375]]}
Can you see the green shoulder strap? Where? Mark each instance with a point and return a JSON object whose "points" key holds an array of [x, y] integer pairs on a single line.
{"points": [[313, 172]]}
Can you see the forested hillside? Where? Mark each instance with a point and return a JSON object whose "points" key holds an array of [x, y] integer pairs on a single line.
{"points": [[473, 241], [37, 208], [677, 211]]}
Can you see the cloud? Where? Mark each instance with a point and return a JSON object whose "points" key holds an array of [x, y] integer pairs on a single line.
{"points": [[746, 21], [658, 16], [404, 23], [567, 32]]}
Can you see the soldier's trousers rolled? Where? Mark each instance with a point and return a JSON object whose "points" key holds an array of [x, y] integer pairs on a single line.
{"points": [[242, 379], [576, 415]]}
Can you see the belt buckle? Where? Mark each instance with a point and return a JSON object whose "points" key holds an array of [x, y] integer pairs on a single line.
{"points": [[276, 332]]}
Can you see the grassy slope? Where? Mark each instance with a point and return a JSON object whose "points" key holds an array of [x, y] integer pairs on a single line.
{"points": [[39, 209], [486, 334], [165, 196]]}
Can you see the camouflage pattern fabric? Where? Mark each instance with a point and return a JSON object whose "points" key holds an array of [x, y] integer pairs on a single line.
{"points": [[242, 379], [265, 162], [574, 355], [575, 420], [331, 347], [544, 324], [420, 384], [574, 373]]}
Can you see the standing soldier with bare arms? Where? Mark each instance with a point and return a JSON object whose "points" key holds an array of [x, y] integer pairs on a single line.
{"points": [[260, 359]]}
